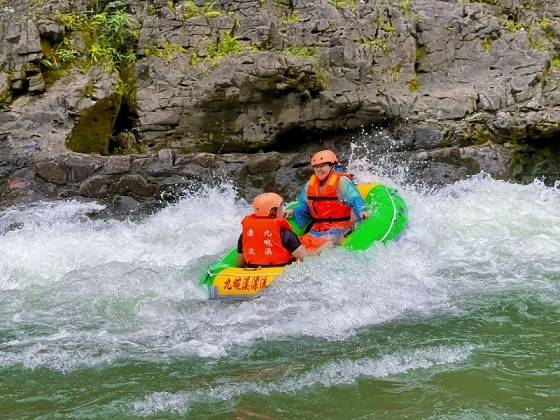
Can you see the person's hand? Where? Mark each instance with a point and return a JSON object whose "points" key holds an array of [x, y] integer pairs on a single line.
{"points": [[365, 214], [288, 213], [328, 244]]}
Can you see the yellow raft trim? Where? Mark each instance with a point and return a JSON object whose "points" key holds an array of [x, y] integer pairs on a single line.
{"points": [[237, 282], [364, 189]]}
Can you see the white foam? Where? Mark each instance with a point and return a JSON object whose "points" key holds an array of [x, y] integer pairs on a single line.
{"points": [[340, 372], [130, 290]]}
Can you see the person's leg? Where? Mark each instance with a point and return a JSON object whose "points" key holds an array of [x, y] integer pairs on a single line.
{"points": [[314, 239], [311, 241]]}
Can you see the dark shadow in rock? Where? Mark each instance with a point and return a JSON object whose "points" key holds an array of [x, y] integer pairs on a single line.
{"points": [[300, 140], [541, 160]]}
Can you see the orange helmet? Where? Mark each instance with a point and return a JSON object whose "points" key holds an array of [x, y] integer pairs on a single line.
{"points": [[324, 156], [264, 203]]}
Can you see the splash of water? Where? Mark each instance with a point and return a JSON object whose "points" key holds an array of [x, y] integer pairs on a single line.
{"points": [[79, 292]]}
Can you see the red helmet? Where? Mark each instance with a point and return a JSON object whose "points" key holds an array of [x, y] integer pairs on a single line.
{"points": [[324, 156], [264, 203]]}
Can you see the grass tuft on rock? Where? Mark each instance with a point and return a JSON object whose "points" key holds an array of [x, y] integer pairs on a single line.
{"points": [[110, 39]]}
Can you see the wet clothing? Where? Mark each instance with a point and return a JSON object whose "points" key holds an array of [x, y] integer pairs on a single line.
{"points": [[349, 203], [312, 242], [325, 208], [266, 241], [290, 241]]}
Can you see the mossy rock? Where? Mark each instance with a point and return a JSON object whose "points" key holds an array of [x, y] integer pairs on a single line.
{"points": [[93, 131]]}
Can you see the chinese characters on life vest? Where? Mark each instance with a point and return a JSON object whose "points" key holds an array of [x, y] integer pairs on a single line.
{"points": [[267, 242], [245, 283]]}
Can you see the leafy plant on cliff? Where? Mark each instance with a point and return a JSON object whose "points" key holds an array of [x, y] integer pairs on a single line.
{"points": [[228, 44], [486, 44], [511, 25], [414, 84], [167, 50], [341, 4], [110, 37], [225, 46], [63, 54], [405, 6], [546, 24], [555, 63], [375, 43], [291, 18], [538, 42], [191, 9], [310, 52], [388, 27], [321, 78]]}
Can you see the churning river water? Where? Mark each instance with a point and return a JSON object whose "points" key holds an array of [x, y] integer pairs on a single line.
{"points": [[458, 318]]}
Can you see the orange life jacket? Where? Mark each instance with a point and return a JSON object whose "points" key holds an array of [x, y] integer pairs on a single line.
{"points": [[326, 209], [262, 241]]}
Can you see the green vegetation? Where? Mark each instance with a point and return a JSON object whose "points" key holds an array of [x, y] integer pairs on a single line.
{"points": [[310, 52], [376, 43], [321, 78], [107, 39], [388, 27], [420, 54], [151, 9], [414, 84], [63, 54], [490, 2], [555, 63], [110, 39], [393, 73], [486, 44], [191, 9], [342, 4], [512, 25], [538, 43], [127, 85], [95, 126], [167, 50], [89, 90], [546, 25], [291, 18], [542, 36], [405, 6], [227, 45]]}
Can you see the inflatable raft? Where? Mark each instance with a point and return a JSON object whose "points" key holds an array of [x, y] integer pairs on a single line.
{"points": [[389, 217]]}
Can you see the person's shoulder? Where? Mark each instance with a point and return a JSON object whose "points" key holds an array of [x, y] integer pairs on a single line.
{"points": [[344, 177], [346, 181]]}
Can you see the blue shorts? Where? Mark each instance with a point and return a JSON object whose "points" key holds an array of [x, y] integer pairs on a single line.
{"points": [[331, 232]]}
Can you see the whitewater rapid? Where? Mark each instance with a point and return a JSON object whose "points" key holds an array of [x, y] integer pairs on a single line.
{"points": [[77, 292]]}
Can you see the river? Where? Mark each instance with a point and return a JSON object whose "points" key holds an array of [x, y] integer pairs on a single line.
{"points": [[458, 318]]}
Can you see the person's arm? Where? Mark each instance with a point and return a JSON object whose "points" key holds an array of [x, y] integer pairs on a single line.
{"points": [[301, 212], [291, 242], [302, 252], [348, 193], [239, 260]]}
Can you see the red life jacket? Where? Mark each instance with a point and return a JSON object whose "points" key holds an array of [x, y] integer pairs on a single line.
{"points": [[326, 209], [262, 241]]}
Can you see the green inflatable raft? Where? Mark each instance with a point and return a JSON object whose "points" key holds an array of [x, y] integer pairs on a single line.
{"points": [[389, 217]]}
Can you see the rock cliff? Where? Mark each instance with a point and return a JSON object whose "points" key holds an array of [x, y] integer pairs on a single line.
{"points": [[104, 99]]}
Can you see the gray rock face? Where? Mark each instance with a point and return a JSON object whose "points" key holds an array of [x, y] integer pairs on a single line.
{"points": [[466, 87]]}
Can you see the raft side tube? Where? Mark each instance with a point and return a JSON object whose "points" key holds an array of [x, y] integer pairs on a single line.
{"points": [[388, 219]]}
